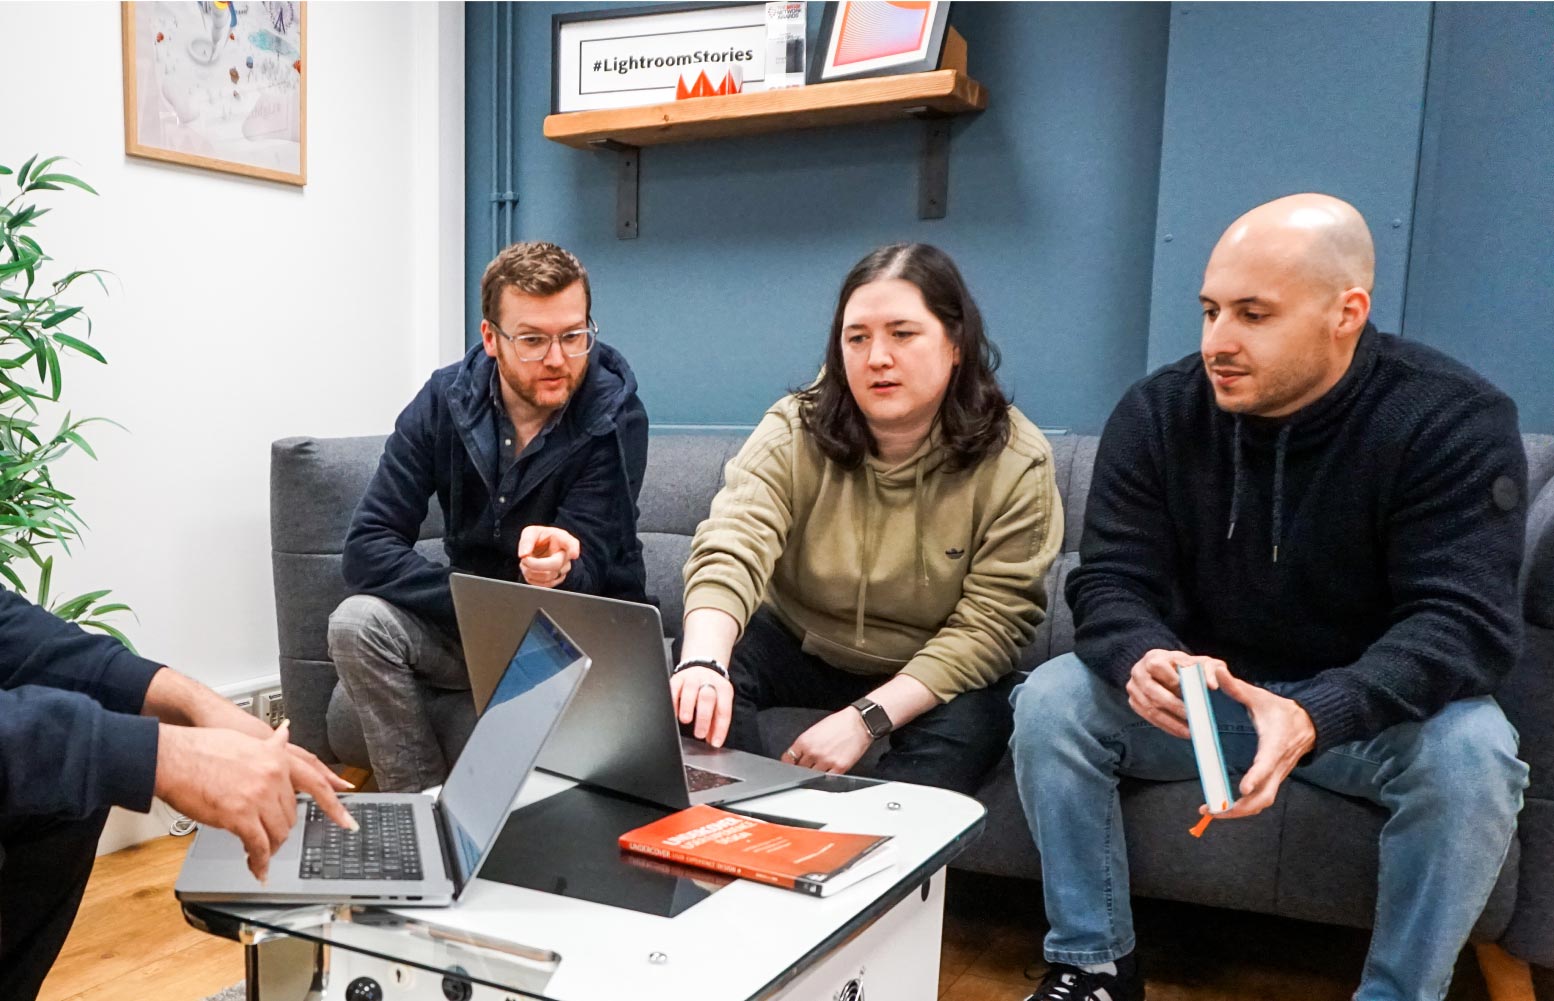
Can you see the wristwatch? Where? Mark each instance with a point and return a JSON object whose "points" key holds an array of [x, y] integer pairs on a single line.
{"points": [[875, 718]]}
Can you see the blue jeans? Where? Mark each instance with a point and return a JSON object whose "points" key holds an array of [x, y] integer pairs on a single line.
{"points": [[1452, 785]]}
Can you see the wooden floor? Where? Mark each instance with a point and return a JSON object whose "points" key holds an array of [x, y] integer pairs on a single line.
{"points": [[992, 950], [130, 942]]}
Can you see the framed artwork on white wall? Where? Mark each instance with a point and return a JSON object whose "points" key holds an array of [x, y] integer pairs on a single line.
{"points": [[220, 85]]}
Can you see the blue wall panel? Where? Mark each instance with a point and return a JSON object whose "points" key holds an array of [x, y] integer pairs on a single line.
{"points": [[724, 300], [1083, 203], [1264, 100], [1481, 281]]}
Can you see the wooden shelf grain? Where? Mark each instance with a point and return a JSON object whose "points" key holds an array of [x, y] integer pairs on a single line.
{"points": [[844, 102]]}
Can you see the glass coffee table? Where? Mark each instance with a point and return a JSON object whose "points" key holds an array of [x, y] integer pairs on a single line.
{"points": [[560, 913]]}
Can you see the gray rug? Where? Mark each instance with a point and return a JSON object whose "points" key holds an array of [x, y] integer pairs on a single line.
{"points": [[237, 992]]}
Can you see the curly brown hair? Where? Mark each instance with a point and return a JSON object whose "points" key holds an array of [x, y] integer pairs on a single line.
{"points": [[533, 268], [974, 417]]}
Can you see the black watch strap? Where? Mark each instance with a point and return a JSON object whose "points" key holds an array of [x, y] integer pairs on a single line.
{"points": [[875, 718], [701, 662]]}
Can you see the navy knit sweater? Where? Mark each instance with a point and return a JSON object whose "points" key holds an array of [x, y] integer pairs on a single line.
{"points": [[1365, 548]]}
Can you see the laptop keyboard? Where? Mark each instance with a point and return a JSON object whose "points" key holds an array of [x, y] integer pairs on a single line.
{"points": [[699, 779], [384, 848]]}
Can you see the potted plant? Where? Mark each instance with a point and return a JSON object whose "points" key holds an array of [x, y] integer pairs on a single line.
{"points": [[35, 513]]}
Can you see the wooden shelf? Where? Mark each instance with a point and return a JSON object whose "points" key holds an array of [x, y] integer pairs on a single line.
{"points": [[844, 102]]}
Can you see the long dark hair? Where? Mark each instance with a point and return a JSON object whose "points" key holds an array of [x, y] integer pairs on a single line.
{"points": [[974, 417]]}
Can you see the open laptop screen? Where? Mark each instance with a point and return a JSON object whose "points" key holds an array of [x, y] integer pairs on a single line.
{"points": [[531, 695]]}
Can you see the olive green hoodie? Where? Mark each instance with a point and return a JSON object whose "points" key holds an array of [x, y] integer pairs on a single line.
{"points": [[885, 569]]}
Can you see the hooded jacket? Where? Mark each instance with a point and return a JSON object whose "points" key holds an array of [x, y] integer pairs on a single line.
{"points": [[1362, 552], [885, 569], [584, 477]]}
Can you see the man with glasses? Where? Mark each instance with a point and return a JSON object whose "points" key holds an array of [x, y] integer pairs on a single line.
{"points": [[534, 446]]}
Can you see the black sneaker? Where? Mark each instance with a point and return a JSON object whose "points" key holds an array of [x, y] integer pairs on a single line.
{"points": [[1070, 983]]}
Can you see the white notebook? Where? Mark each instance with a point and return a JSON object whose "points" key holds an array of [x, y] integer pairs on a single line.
{"points": [[1217, 791]]}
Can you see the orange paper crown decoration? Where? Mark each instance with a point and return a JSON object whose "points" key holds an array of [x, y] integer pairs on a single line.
{"points": [[694, 82]]}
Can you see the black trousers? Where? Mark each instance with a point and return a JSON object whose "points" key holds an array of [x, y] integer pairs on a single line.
{"points": [[952, 745], [44, 864]]}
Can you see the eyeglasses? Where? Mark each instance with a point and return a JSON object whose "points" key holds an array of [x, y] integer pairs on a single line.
{"points": [[534, 347]]}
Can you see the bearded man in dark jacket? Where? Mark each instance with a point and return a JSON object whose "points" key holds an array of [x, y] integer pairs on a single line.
{"points": [[534, 447]]}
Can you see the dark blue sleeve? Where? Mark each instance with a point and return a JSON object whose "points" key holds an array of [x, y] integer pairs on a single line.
{"points": [[1453, 553], [71, 739], [600, 508], [380, 557], [1120, 593]]}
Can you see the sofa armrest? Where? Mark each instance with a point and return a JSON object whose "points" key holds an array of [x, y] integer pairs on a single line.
{"points": [[307, 686]]}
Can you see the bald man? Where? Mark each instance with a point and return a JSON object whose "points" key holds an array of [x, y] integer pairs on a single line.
{"points": [[1330, 520]]}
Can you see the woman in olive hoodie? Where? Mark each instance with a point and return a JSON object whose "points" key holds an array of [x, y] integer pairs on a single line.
{"points": [[879, 546]]}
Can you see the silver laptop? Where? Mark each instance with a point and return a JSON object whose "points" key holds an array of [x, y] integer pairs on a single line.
{"points": [[620, 732], [413, 850]]}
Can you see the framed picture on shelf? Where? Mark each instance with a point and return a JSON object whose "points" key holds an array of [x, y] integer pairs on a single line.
{"points": [[625, 57], [219, 85], [861, 38]]}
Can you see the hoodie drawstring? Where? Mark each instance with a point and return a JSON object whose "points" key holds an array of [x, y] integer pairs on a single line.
{"points": [[1278, 488], [917, 526], [1235, 481], [1278, 483], [866, 543]]}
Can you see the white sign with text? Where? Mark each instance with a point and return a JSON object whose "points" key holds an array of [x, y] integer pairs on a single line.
{"points": [[623, 62]]}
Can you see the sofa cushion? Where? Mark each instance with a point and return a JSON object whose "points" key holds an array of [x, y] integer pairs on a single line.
{"points": [[1527, 696], [1055, 635], [1540, 461], [684, 471], [1077, 494], [1537, 581], [665, 554], [1531, 931], [315, 484]]}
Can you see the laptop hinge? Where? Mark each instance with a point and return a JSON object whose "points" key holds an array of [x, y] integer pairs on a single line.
{"points": [[445, 843]]}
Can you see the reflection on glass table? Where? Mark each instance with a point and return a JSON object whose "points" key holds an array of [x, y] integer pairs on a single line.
{"points": [[385, 935]]}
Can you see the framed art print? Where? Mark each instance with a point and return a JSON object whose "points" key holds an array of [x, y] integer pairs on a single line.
{"points": [[220, 85], [861, 38]]}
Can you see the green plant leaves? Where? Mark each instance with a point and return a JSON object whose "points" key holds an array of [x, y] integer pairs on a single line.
{"points": [[80, 346], [50, 180], [55, 319], [35, 513]]}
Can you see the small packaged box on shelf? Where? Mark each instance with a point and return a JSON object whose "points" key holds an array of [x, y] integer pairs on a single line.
{"points": [[784, 44]]}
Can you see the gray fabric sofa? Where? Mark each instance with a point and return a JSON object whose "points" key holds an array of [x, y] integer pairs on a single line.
{"points": [[1313, 856]]}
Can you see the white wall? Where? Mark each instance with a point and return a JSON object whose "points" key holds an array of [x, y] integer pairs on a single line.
{"points": [[241, 311]]}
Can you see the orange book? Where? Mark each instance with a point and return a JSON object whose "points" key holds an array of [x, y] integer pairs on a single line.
{"points": [[795, 858]]}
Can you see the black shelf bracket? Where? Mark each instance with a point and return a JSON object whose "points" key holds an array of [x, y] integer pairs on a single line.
{"points": [[933, 170], [627, 185]]}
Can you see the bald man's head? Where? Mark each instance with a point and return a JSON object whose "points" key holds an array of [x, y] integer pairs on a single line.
{"points": [[1317, 237], [1285, 297]]}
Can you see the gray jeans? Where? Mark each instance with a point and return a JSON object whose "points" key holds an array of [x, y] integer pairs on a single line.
{"points": [[391, 662]]}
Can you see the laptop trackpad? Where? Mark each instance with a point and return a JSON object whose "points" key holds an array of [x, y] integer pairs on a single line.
{"points": [[702, 779]]}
